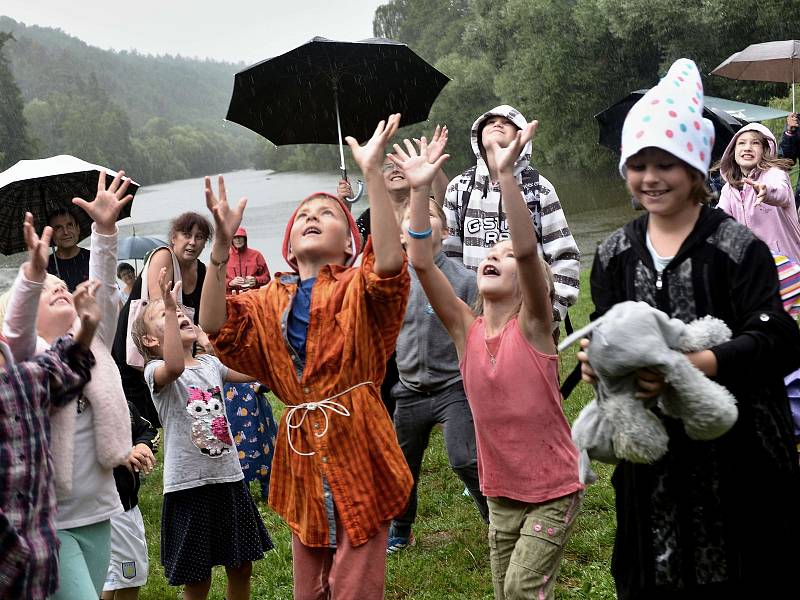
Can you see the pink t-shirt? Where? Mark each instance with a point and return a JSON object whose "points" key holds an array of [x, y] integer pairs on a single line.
{"points": [[525, 449]]}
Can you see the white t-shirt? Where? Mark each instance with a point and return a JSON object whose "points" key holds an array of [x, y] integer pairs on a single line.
{"points": [[198, 446], [659, 262], [94, 496]]}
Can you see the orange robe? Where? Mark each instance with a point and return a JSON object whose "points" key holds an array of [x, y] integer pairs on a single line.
{"points": [[354, 322]]}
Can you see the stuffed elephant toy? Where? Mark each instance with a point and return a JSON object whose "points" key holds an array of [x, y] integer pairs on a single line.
{"points": [[618, 426]]}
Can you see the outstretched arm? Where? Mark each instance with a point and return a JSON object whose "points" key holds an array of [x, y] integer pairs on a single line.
{"points": [[174, 362], [383, 224], [453, 312], [536, 314], [213, 313]]}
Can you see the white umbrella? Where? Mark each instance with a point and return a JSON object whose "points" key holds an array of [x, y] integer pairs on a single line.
{"points": [[770, 61]]}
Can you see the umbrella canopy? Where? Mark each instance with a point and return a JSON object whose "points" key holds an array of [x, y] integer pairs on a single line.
{"points": [[43, 187], [612, 118], [771, 61], [136, 247], [294, 98], [323, 89]]}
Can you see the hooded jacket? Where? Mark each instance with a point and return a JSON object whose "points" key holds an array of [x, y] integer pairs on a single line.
{"points": [[775, 219], [705, 513], [246, 262], [485, 224]]}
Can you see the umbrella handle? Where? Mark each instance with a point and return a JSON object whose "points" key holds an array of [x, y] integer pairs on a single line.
{"points": [[359, 191]]}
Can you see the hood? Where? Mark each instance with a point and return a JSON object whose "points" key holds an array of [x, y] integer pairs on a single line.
{"points": [[241, 232], [355, 234], [726, 163], [513, 115]]}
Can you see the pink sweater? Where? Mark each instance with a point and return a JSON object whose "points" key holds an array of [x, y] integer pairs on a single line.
{"points": [[525, 450], [775, 220]]}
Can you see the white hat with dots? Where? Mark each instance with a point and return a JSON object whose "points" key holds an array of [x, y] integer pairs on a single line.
{"points": [[670, 117]]}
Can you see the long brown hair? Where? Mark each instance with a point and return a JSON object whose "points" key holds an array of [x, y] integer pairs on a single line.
{"points": [[731, 170]]}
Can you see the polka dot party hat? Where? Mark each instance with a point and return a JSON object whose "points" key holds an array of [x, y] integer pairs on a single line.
{"points": [[670, 117]]}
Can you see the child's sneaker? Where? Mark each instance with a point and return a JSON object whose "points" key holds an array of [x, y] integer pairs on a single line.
{"points": [[399, 542]]}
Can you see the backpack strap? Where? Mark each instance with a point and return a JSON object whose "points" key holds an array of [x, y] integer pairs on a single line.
{"points": [[462, 209]]}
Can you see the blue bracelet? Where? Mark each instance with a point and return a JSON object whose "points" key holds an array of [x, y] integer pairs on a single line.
{"points": [[420, 235]]}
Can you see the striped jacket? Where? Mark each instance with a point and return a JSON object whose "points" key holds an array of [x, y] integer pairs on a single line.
{"points": [[476, 220]]}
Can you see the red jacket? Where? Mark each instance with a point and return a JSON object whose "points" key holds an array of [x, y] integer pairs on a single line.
{"points": [[246, 263]]}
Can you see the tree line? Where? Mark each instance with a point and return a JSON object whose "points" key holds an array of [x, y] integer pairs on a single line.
{"points": [[559, 61]]}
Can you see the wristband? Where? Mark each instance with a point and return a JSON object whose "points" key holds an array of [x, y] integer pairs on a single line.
{"points": [[420, 235], [218, 263]]}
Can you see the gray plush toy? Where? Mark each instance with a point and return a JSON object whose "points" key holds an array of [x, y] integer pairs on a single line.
{"points": [[618, 426]]}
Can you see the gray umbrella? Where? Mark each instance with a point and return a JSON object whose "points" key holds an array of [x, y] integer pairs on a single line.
{"points": [[136, 247], [771, 61]]}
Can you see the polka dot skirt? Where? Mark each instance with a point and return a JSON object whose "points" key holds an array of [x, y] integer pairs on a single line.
{"points": [[210, 525]]}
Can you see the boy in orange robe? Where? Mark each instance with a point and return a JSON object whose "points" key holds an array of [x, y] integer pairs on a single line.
{"points": [[320, 338]]}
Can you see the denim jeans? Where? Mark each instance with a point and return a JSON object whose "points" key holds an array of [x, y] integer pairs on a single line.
{"points": [[415, 416]]}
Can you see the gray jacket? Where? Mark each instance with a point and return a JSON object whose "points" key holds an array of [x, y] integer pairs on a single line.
{"points": [[426, 356]]}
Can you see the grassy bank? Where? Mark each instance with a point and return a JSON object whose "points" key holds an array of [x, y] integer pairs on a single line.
{"points": [[451, 558]]}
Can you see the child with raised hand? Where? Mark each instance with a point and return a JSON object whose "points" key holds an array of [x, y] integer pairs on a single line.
{"points": [[701, 522], [527, 463], [758, 192], [208, 517], [28, 391], [320, 338]]}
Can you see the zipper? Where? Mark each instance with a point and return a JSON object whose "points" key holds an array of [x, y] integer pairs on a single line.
{"points": [[659, 280]]}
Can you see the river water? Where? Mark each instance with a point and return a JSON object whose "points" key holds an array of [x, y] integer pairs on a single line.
{"points": [[593, 209]]}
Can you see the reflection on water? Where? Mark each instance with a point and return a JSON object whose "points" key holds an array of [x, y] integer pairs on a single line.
{"points": [[594, 208]]}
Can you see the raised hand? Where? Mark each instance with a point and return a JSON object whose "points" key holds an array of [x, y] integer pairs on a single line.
{"points": [[108, 203], [760, 188], [226, 219], [417, 166], [38, 250], [437, 143], [501, 160], [168, 293], [369, 157], [87, 310]]}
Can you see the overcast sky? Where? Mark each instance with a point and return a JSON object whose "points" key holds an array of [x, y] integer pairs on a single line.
{"points": [[232, 30]]}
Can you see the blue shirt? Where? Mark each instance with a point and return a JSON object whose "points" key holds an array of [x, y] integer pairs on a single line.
{"points": [[297, 326]]}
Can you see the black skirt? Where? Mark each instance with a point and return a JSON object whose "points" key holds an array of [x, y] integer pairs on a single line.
{"points": [[210, 525]]}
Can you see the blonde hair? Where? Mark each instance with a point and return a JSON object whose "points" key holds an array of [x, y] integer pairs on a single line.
{"points": [[139, 329]]}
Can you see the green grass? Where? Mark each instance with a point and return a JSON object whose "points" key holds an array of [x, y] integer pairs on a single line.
{"points": [[451, 558]]}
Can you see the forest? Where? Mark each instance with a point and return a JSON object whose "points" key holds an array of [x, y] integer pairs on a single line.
{"points": [[561, 62]]}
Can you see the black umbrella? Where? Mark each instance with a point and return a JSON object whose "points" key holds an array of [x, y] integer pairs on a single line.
{"points": [[324, 88], [136, 247], [42, 187], [612, 118]]}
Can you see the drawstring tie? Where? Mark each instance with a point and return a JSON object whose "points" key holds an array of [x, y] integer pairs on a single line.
{"points": [[324, 406]]}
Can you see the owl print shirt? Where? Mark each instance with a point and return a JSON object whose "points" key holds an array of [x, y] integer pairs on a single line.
{"points": [[198, 448]]}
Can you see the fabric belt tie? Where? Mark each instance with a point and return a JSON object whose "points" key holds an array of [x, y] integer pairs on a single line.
{"points": [[323, 406]]}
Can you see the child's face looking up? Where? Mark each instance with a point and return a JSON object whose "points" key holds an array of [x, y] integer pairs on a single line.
{"points": [[659, 181], [497, 273], [154, 320], [749, 150], [498, 129], [393, 178], [320, 231]]}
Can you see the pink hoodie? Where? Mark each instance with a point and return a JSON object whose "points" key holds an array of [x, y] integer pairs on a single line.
{"points": [[775, 219]]}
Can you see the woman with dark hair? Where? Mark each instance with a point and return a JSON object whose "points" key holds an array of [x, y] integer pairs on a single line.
{"points": [[188, 235]]}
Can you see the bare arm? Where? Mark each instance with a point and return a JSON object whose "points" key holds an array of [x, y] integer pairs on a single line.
{"points": [[213, 312], [453, 312], [236, 377], [174, 363], [161, 259], [536, 314], [383, 224]]}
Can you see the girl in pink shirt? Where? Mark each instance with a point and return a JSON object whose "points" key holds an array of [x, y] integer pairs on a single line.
{"points": [[757, 192], [527, 463]]}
